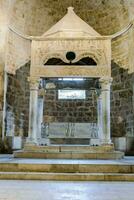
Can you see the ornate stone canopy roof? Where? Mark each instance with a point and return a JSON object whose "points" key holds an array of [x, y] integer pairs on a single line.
{"points": [[71, 26]]}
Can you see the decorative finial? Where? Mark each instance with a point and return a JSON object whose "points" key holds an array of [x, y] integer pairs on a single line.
{"points": [[70, 9]]}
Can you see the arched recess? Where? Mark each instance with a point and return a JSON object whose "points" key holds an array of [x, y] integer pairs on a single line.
{"points": [[83, 61]]}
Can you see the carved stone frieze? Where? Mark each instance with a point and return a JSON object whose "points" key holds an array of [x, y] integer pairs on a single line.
{"points": [[72, 71], [44, 50]]}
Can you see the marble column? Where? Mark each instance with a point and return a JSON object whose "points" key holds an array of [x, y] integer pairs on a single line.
{"points": [[104, 113], [3, 110], [40, 118], [33, 110], [99, 117]]}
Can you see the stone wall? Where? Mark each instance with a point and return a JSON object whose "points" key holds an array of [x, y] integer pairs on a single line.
{"points": [[17, 108], [4, 8], [106, 17], [57, 110], [122, 110]]}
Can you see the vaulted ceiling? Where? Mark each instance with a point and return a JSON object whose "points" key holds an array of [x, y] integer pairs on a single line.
{"points": [[34, 17]]}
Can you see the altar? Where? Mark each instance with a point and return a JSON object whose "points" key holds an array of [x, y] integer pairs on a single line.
{"points": [[70, 133]]}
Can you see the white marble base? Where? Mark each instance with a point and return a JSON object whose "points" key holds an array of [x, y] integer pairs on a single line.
{"points": [[17, 142], [94, 141]]}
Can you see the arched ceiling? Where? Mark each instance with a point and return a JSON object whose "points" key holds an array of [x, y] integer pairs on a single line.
{"points": [[34, 17]]}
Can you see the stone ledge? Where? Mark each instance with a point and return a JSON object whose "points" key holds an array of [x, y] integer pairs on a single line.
{"points": [[70, 148], [66, 168], [66, 176], [70, 155]]}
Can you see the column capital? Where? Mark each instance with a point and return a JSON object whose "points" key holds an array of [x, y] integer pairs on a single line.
{"points": [[105, 82], [34, 83]]}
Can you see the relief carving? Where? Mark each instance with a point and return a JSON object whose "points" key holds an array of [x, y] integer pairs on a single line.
{"points": [[44, 50], [75, 71]]}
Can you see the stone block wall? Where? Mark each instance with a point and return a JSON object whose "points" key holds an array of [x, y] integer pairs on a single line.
{"points": [[1, 101], [107, 17], [122, 110], [17, 108], [57, 110]]}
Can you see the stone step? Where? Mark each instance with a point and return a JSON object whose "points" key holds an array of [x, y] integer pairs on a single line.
{"points": [[73, 141], [66, 168], [66, 176], [69, 155], [69, 148]]}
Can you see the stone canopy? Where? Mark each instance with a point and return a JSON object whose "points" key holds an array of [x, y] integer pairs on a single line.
{"points": [[71, 26], [71, 34]]}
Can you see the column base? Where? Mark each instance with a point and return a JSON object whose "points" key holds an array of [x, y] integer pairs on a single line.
{"points": [[31, 141], [43, 141], [108, 146], [106, 142]]}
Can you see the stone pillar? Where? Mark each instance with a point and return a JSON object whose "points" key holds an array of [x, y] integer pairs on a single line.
{"points": [[40, 118], [99, 117], [33, 110], [104, 113], [3, 107]]}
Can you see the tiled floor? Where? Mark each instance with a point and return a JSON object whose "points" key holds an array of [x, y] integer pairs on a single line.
{"points": [[48, 190]]}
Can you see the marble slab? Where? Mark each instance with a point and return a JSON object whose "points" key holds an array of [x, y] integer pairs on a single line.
{"points": [[71, 130]]}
